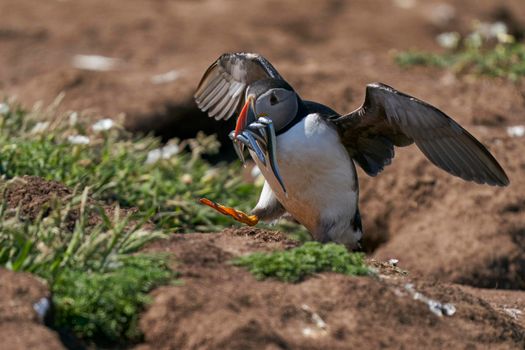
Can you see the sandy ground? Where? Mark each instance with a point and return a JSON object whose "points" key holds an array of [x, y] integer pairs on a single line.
{"points": [[458, 235]]}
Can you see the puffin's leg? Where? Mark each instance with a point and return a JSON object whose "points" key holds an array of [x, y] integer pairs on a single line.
{"points": [[268, 207], [345, 229], [238, 215]]}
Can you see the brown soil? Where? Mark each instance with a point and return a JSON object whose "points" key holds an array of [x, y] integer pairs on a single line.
{"points": [[220, 306], [456, 231], [34, 197], [440, 228], [20, 326]]}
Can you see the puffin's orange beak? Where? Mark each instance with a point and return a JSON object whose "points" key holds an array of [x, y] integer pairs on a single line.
{"points": [[241, 121]]}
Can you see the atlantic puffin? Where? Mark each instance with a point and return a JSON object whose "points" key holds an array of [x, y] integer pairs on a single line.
{"points": [[307, 152]]}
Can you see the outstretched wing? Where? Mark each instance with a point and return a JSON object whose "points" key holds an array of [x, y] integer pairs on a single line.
{"points": [[222, 88], [390, 118]]}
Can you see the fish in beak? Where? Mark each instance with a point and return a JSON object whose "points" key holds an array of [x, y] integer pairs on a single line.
{"points": [[259, 136]]}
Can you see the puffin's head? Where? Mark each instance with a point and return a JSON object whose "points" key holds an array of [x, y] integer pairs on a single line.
{"points": [[271, 105], [274, 99]]}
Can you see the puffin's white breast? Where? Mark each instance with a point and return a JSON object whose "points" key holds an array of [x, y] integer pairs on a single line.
{"points": [[317, 171]]}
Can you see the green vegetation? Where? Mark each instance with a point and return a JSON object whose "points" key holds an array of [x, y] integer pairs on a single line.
{"points": [[98, 277], [474, 54], [105, 305], [295, 264], [114, 165], [98, 285]]}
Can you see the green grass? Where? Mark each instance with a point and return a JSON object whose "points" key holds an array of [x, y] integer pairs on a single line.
{"points": [[505, 60], [114, 166], [99, 282], [295, 264], [105, 305], [97, 274]]}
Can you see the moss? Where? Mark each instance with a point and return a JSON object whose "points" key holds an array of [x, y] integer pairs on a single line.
{"points": [[295, 264]]}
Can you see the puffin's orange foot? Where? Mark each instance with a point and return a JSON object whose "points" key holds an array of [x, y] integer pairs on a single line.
{"points": [[250, 220]]}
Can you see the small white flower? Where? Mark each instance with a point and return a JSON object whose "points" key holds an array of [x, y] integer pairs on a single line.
{"points": [[165, 152], [448, 40], [256, 172], [4, 108], [103, 125], [491, 30], [73, 119], [186, 179], [78, 139], [40, 127], [42, 307], [167, 77], [154, 156], [505, 38], [474, 40], [95, 62], [496, 29], [516, 131], [169, 151]]}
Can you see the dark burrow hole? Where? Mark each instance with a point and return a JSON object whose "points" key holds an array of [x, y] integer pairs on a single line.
{"points": [[376, 234], [507, 272], [184, 121]]}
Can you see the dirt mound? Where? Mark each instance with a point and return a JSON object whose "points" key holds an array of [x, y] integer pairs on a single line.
{"points": [[35, 196], [21, 327], [219, 305]]}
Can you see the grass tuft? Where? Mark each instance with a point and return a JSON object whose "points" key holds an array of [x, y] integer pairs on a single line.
{"points": [[505, 61], [295, 264], [99, 282], [488, 50], [105, 306]]}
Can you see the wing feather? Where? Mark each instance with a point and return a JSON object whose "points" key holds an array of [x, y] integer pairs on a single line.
{"points": [[223, 85], [390, 118]]}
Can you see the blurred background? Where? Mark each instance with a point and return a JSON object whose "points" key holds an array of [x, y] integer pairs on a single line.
{"points": [[145, 58]]}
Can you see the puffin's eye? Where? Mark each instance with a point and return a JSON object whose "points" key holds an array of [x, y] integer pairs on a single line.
{"points": [[273, 99]]}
